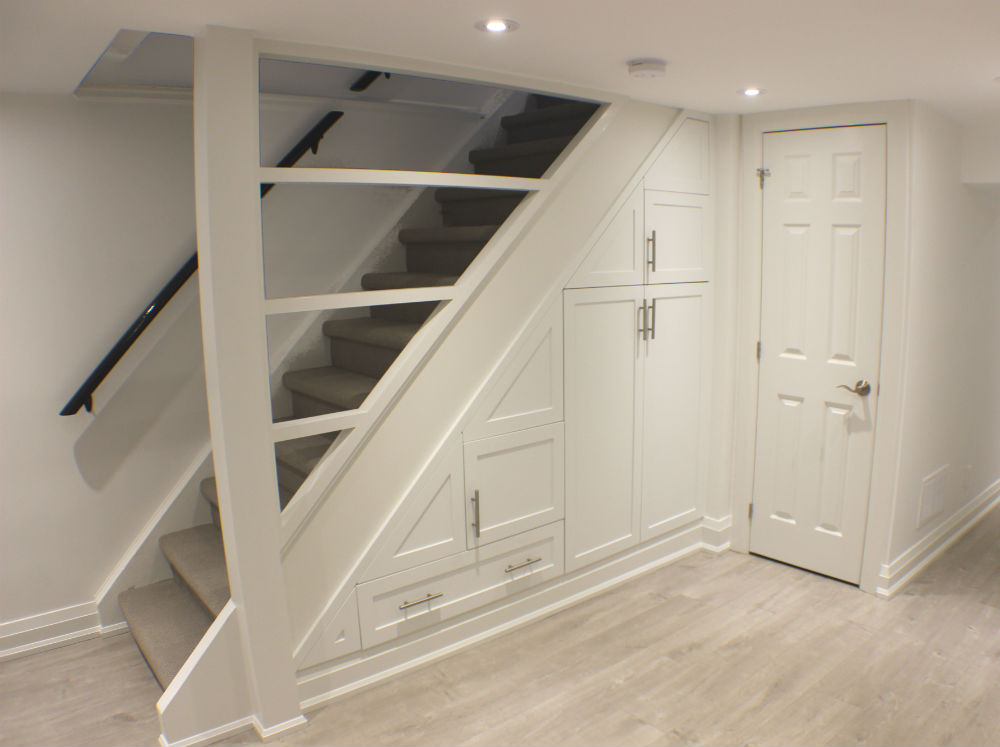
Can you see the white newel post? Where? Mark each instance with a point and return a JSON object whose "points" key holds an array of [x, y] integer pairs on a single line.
{"points": [[232, 310]]}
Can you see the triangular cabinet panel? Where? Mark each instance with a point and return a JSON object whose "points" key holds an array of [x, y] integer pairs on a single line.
{"points": [[430, 523], [342, 636], [527, 390], [685, 164], [617, 256]]}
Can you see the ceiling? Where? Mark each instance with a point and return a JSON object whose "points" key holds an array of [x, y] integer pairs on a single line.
{"points": [[803, 52]]}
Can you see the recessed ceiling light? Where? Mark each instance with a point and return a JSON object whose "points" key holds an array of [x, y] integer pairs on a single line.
{"points": [[647, 67], [752, 92], [497, 25]]}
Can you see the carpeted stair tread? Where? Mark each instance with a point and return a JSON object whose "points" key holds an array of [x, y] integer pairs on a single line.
{"points": [[383, 333], [197, 555], [575, 110], [342, 389], [520, 150], [302, 454], [391, 280], [468, 194], [447, 235], [167, 622]]}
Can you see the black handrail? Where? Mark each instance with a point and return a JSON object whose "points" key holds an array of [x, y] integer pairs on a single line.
{"points": [[84, 396], [366, 79]]}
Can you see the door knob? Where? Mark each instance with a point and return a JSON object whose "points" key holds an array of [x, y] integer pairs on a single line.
{"points": [[861, 388]]}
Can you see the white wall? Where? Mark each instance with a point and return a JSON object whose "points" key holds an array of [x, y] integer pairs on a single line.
{"points": [[981, 154], [951, 393], [96, 213]]}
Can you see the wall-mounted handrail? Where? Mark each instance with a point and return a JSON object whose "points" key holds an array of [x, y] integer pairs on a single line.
{"points": [[84, 396]]}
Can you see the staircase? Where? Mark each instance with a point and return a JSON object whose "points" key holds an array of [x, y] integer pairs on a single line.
{"points": [[168, 618]]}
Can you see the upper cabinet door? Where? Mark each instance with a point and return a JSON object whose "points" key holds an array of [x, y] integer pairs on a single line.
{"points": [[679, 238], [686, 163], [603, 421], [617, 256], [513, 483]]}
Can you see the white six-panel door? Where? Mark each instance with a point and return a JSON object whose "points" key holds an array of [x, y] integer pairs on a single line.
{"points": [[821, 311]]}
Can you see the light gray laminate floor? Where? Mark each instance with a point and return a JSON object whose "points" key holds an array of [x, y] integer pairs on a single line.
{"points": [[727, 649]]}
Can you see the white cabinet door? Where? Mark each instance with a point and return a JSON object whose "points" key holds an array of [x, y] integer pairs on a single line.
{"points": [[513, 483], [603, 421], [618, 256], [679, 237], [674, 407]]}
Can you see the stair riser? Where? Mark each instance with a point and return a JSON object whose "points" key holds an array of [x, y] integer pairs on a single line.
{"points": [[405, 312], [478, 212], [532, 166], [304, 406], [361, 358], [180, 579], [439, 259], [556, 128]]}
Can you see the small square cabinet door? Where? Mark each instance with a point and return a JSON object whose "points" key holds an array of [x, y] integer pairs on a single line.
{"points": [[679, 234], [513, 483]]}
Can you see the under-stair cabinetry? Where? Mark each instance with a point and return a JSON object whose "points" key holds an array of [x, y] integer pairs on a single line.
{"points": [[637, 317]]}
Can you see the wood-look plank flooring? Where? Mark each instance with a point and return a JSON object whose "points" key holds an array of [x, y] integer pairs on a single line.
{"points": [[714, 649]]}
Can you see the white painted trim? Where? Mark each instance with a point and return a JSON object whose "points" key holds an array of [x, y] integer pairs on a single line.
{"points": [[53, 629], [316, 175], [884, 478], [893, 576], [716, 532], [355, 299], [316, 53], [367, 667], [313, 426], [209, 735], [267, 732]]}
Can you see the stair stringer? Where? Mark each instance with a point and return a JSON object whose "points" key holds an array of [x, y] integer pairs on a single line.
{"points": [[438, 402]]}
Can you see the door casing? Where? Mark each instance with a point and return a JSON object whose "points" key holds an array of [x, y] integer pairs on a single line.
{"points": [[896, 116]]}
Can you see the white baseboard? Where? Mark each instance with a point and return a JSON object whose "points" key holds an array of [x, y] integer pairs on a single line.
{"points": [[266, 732], [53, 629], [716, 532], [895, 574], [211, 735], [363, 668]]}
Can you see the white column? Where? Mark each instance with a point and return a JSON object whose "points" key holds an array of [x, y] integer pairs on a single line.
{"points": [[232, 310]]}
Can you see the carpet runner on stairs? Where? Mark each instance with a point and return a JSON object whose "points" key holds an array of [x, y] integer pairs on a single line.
{"points": [[168, 618]]}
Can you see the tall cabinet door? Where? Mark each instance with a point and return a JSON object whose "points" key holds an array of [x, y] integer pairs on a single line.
{"points": [[675, 403], [603, 369]]}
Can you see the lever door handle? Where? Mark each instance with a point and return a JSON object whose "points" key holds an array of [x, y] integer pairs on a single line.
{"points": [[861, 388]]}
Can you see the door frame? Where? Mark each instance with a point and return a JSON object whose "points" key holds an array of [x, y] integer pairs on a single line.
{"points": [[896, 117]]}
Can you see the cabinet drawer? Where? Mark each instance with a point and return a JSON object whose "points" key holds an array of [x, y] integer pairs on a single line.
{"points": [[411, 600]]}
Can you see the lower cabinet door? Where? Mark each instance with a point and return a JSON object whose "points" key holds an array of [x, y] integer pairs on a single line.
{"points": [[603, 421], [513, 483], [675, 407], [417, 598]]}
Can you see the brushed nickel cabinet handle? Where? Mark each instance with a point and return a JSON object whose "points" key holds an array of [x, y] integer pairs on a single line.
{"points": [[475, 512], [519, 566], [429, 597], [651, 243]]}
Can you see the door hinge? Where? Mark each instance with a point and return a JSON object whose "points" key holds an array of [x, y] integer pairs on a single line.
{"points": [[750, 511], [762, 174], [758, 351]]}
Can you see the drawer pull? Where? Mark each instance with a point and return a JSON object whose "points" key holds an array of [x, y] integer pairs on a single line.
{"points": [[519, 566], [475, 508], [429, 597]]}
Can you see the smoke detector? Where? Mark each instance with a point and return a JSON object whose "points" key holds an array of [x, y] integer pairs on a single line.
{"points": [[647, 67]]}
